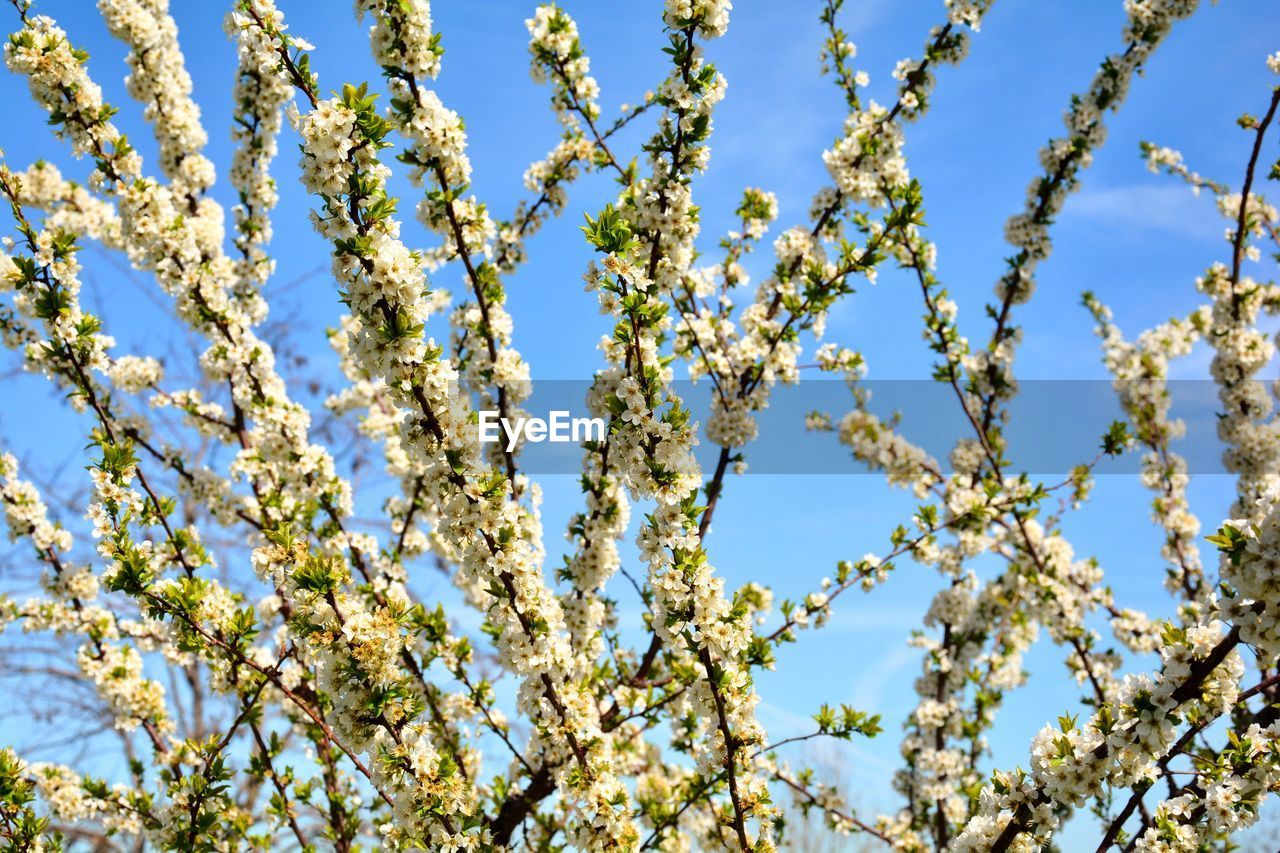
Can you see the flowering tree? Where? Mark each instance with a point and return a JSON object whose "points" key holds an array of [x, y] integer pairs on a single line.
{"points": [[352, 714]]}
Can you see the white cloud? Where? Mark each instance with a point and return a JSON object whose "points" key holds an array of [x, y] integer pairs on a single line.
{"points": [[886, 671], [858, 18], [1170, 208]]}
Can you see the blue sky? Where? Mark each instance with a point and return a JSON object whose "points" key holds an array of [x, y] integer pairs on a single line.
{"points": [[1136, 239]]}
